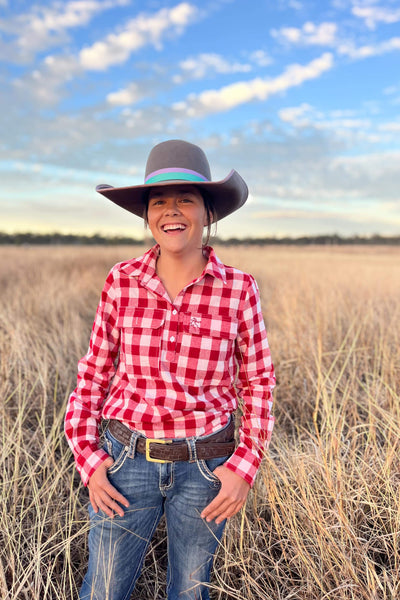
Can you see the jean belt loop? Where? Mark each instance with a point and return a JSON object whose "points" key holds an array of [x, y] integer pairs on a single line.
{"points": [[191, 443], [132, 444]]}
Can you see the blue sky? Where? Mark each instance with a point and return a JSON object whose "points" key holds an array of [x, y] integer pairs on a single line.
{"points": [[302, 97]]}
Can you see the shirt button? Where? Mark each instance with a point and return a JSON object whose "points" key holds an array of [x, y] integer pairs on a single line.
{"points": [[172, 338], [174, 312]]}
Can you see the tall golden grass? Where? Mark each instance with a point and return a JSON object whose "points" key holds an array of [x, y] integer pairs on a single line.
{"points": [[323, 519]]}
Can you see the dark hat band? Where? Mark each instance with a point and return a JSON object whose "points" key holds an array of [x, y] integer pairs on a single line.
{"points": [[174, 174]]}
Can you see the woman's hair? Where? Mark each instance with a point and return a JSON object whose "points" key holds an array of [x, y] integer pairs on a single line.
{"points": [[211, 214], [208, 205]]}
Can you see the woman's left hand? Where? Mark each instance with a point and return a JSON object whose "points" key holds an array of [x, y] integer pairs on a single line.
{"points": [[230, 499]]}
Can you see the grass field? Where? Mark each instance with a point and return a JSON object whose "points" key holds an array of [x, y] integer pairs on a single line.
{"points": [[323, 520]]}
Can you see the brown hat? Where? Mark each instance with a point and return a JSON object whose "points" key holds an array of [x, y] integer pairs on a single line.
{"points": [[174, 162]]}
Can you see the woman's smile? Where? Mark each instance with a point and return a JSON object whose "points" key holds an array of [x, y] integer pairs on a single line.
{"points": [[177, 214]]}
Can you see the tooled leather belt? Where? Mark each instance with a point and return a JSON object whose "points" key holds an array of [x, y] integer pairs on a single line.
{"points": [[213, 446]]}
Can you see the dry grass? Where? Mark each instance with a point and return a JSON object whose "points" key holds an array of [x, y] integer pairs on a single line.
{"points": [[323, 519]]}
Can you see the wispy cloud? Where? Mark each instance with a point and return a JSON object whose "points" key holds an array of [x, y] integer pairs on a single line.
{"points": [[260, 58], [210, 64], [366, 51], [230, 96], [393, 126], [373, 15], [126, 96], [46, 26], [308, 35], [204, 64], [144, 29], [370, 217], [305, 115], [46, 83], [296, 115]]}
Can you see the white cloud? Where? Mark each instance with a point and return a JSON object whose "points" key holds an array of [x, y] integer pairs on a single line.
{"points": [[348, 49], [260, 58], [309, 35], [126, 96], [373, 15], [375, 174], [44, 84], [341, 124], [391, 127], [230, 96], [46, 26], [371, 215], [295, 114], [138, 32], [294, 4], [200, 66], [208, 64]]}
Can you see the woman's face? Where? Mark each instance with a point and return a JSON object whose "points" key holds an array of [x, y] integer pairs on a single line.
{"points": [[176, 216]]}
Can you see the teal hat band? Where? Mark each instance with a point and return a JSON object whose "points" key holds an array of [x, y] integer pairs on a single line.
{"points": [[173, 174]]}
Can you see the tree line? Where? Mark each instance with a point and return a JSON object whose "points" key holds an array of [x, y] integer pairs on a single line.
{"points": [[28, 238]]}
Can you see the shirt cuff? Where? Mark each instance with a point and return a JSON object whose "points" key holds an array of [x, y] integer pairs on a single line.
{"points": [[244, 463], [88, 462]]}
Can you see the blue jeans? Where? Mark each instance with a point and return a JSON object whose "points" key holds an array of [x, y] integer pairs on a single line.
{"points": [[117, 547]]}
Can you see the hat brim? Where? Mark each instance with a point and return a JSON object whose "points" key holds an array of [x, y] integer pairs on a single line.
{"points": [[227, 195]]}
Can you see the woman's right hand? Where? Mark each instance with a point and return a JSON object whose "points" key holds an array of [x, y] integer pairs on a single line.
{"points": [[102, 494]]}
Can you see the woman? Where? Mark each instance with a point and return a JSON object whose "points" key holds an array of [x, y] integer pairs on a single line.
{"points": [[177, 336]]}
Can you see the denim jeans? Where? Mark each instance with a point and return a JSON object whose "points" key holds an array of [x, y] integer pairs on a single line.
{"points": [[117, 546]]}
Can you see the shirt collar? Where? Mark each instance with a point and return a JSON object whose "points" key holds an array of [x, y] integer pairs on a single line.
{"points": [[214, 266], [144, 267]]}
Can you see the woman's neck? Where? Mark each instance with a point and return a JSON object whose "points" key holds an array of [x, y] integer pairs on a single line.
{"points": [[176, 271]]}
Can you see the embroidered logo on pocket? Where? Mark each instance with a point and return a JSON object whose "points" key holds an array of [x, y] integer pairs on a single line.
{"points": [[195, 322]]}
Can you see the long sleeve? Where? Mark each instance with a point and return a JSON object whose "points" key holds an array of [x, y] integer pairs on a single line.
{"points": [[95, 373], [255, 383]]}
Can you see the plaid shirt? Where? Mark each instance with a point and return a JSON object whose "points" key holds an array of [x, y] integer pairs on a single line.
{"points": [[173, 370]]}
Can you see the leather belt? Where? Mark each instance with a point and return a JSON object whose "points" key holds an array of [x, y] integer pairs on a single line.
{"points": [[161, 450]]}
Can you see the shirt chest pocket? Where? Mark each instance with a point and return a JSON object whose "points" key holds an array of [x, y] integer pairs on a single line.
{"points": [[206, 353], [141, 330]]}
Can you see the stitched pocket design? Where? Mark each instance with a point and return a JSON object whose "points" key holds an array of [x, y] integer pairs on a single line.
{"points": [[206, 468], [206, 353], [140, 328]]}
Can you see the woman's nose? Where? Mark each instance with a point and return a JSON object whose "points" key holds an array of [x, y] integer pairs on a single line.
{"points": [[172, 208]]}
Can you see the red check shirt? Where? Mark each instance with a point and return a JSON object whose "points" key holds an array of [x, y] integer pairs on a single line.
{"points": [[175, 369]]}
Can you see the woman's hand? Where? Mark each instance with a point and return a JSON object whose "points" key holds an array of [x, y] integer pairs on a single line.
{"points": [[102, 494], [231, 497]]}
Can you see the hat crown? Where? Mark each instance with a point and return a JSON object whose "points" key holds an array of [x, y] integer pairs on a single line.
{"points": [[178, 155]]}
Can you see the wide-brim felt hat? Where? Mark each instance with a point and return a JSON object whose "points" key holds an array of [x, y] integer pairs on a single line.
{"points": [[176, 162]]}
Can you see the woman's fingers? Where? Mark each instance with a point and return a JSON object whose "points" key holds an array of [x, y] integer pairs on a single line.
{"points": [[230, 499], [103, 495]]}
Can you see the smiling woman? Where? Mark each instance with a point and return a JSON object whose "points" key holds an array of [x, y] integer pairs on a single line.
{"points": [[177, 336], [177, 216]]}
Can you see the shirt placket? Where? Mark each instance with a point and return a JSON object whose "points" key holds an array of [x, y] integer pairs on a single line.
{"points": [[173, 328], [171, 335]]}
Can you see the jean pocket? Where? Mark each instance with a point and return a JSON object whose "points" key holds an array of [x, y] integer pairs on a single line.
{"points": [[116, 450], [206, 468]]}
